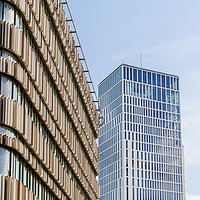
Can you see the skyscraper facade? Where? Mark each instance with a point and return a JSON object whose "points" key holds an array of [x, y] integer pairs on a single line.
{"points": [[48, 118], [140, 145]]}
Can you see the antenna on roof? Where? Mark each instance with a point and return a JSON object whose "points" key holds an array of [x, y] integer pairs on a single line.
{"points": [[141, 59]]}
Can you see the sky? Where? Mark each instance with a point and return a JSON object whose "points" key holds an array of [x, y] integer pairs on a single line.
{"points": [[167, 34]]}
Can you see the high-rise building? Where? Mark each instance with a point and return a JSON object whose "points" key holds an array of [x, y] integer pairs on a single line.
{"points": [[140, 145], [48, 118]]}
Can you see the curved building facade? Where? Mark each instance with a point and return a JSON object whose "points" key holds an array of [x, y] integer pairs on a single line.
{"points": [[48, 120]]}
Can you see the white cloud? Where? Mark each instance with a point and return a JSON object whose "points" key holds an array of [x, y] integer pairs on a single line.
{"points": [[193, 197]]}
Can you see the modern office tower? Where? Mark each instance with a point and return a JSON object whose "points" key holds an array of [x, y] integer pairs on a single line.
{"points": [[48, 118], [140, 146]]}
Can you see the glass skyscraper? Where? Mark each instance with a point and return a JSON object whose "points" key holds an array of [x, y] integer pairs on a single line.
{"points": [[140, 142]]}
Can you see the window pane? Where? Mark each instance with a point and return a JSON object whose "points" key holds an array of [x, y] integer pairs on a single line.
{"points": [[124, 72], [9, 56], [131, 74], [135, 74], [17, 168], [139, 76], [158, 94], [14, 92], [5, 157], [149, 77], [127, 73], [8, 13], [6, 131], [163, 81], [144, 77], [154, 78], [163, 95], [167, 82], [173, 97], [168, 96], [172, 83], [177, 98], [177, 84], [158, 80], [6, 87], [154, 93], [18, 21], [1, 11]]}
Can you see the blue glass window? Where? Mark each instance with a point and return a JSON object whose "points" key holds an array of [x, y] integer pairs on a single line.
{"points": [[144, 77], [163, 95], [1, 11], [135, 74], [127, 73], [141, 90], [139, 76], [177, 98], [163, 80], [167, 82], [158, 94], [177, 84], [144, 96], [154, 78], [154, 93], [149, 77], [131, 74], [164, 106], [138, 90], [124, 72], [134, 87], [172, 83], [178, 109], [173, 97], [168, 96], [158, 80]]}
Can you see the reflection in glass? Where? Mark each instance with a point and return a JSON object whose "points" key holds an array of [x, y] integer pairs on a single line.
{"points": [[135, 74], [171, 82], [127, 73], [144, 77], [8, 13], [5, 157], [17, 168], [163, 95], [6, 131], [14, 92], [1, 11], [154, 78], [158, 94], [167, 82], [139, 76], [174, 82], [178, 118], [6, 87], [131, 78], [173, 97], [158, 80], [163, 80], [168, 96], [154, 93], [177, 98], [149, 77]]}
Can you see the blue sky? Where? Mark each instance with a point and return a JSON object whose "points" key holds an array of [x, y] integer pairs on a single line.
{"points": [[167, 33]]}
